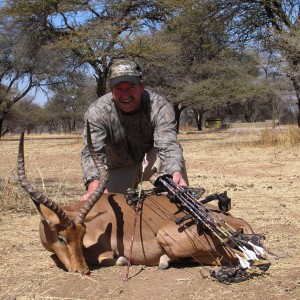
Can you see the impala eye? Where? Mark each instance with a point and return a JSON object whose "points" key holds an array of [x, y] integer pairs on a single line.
{"points": [[61, 239]]}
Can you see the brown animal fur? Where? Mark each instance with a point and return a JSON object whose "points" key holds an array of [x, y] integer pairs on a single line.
{"points": [[107, 231]]}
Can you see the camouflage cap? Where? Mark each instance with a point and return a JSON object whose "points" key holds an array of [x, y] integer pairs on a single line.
{"points": [[124, 70]]}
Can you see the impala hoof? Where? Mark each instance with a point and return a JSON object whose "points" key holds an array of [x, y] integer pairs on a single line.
{"points": [[163, 262], [163, 266], [122, 261]]}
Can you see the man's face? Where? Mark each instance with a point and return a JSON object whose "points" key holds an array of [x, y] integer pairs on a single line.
{"points": [[128, 96]]}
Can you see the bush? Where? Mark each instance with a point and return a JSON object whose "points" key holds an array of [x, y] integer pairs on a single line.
{"points": [[13, 197]]}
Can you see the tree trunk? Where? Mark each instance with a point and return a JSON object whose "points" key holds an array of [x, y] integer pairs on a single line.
{"points": [[1, 127], [178, 108], [50, 127], [198, 117], [101, 83], [298, 117], [2, 118], [296, 85], [177, 116]]}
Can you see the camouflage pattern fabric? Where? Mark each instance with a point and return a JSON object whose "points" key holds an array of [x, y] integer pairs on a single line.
{"points": [[124, 70], [123, 67]]}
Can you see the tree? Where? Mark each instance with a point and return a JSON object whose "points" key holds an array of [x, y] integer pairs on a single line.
{"points": [[91, 33], [193, 43], [24, 115], [230, 80], [26, 64], [272, 23], [164, 70], [65, 110], [274, 74], [16, 76]]}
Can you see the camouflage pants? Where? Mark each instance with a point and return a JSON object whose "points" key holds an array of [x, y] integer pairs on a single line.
{"points": [[120, 179]]}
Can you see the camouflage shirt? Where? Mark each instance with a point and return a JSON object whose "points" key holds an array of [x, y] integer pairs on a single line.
{"points": [[122, 140]]}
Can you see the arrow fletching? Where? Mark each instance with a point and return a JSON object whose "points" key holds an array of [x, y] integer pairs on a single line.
{"points": [[244, 263], [144, 163], [258, 250], [249, 254]]}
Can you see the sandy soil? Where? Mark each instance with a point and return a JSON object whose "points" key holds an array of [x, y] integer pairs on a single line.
{"points": [[264, 185]]}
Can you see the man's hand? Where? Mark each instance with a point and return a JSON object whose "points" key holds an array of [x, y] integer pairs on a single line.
{"points": [[178, 178], [91, 189]]}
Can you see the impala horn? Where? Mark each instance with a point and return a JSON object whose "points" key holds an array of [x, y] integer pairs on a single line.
{"points": [[36, 195], [88, 205]]}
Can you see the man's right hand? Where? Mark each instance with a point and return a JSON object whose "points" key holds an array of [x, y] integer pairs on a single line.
{"points": [[91, 189]]}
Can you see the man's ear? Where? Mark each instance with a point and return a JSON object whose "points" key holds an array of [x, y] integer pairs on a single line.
{"points": [[142, 87]]}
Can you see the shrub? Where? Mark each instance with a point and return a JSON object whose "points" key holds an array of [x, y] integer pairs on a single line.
{"points": [[13, 197]]}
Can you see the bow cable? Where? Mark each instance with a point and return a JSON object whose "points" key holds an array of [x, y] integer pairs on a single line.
{"points": [[136, 209]]}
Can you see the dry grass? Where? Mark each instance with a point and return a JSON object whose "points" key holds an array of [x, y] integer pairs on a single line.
{"points": [[51, 162], [262, 181], [283, 136], [12, 196], [289, 136]]}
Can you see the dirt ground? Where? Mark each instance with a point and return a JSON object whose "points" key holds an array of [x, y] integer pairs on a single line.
{"points": [[263, 183]]}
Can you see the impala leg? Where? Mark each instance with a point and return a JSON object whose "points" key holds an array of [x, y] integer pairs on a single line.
{"points": [[170, 241], [203, 249], [107, 259]]}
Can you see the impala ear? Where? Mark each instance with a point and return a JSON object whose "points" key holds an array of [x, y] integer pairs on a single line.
{"points": [[46, 214]]}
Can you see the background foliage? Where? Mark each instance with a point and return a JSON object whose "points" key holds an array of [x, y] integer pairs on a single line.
{"points": [[236, 60]]}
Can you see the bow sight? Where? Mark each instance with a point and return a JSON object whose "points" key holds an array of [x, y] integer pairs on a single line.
{"points": [[164, 182]]}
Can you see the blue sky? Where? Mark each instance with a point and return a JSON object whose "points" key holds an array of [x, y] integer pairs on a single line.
{"points": [[40, 98]]}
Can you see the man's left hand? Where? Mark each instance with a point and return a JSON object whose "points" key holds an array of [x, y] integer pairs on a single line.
{"points": [[178, 178]]}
